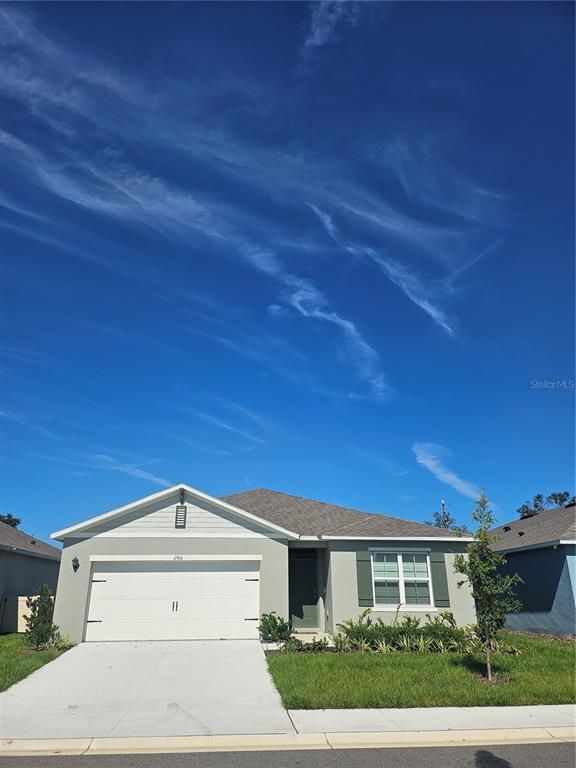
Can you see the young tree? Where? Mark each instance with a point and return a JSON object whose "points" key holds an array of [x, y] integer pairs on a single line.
{"points": [[40, 631], [492, 591], [9, 519]]}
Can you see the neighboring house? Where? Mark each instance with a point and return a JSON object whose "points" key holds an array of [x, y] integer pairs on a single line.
{"points": [[181, 564], [25, 564], [542, 550]]}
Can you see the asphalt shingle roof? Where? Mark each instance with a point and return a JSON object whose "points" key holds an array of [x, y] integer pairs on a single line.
{"points": [[316, 518], [15, 539], [550, 525]]}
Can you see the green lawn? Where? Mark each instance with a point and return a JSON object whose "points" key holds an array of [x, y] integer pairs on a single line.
{"points": [[17, 661], [542, 674]]}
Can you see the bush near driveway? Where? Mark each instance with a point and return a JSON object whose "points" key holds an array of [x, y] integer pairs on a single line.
{"points": [[543, 673], [17, 660]]}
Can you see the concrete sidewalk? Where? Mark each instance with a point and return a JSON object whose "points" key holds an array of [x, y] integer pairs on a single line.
{"points": [[431, 719], [285, 741], [342, 729]]}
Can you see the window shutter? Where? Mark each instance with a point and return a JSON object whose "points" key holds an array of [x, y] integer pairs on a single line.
{"points": [[439, 580], [364, 574]]}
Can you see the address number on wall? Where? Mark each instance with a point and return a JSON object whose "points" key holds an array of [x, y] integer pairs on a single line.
{"points": [[178, 557]]}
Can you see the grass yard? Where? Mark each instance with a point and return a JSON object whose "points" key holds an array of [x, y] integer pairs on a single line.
{"points": [[18, 661], [544, 673]]}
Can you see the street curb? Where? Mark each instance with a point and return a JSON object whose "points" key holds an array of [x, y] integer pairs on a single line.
{"points": [[284, 741]]}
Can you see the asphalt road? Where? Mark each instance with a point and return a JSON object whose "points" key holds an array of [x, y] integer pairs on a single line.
{"points": [[521, 756]]}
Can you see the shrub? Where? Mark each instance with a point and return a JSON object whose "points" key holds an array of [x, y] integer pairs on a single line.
{"points": [[342, 644], [40, 630], [438, 634], [295, 645], [61, 642], [273, 628]]}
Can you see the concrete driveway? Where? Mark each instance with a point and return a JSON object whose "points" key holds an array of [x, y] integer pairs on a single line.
{"points": [[147, 689]]}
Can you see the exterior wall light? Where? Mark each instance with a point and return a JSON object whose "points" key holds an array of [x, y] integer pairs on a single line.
{"points": [[75, 564]]}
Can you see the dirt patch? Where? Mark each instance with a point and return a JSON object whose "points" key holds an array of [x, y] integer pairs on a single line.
{"points": [[496, 679]]}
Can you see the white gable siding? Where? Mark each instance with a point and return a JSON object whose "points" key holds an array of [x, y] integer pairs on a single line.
{"points": [[201, 521]]}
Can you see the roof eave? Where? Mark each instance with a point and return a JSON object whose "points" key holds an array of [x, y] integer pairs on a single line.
{"points": [[540, 545], [29, 553], [397, 538]]}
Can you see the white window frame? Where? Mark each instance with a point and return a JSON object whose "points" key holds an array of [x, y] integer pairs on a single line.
{"points": [[412, 607]]}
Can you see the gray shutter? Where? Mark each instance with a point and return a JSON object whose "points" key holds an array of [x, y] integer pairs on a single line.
{"points": [[364, 573], [439, 579]]}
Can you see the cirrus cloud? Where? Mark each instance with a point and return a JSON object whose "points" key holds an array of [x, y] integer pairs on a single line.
{"points": [[431, 456]]}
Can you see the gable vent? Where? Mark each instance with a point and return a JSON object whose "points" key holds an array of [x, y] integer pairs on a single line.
{"points": [[180, 521]]}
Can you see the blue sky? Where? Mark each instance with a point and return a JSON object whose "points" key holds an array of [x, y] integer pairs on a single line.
{"points": [[321, 248]]}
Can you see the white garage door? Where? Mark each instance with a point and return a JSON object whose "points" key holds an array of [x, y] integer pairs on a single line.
{"points": [[174, 600]]}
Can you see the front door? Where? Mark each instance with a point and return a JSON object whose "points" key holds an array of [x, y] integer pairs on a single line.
{"points": [[303, 585]]}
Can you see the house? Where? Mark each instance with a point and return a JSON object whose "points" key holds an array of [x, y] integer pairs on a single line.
{"points": [[25, 564], [181, 564], [542, 550]]}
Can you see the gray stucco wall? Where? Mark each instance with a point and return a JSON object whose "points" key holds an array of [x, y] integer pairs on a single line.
{"points": [[74, 588], [548, 591], [342, 590], [21, 575]]}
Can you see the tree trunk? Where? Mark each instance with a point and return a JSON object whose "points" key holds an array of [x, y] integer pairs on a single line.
{"points": [[488, 664]]}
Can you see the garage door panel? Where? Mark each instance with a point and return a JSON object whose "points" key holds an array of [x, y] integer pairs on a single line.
{"points": [[182, 600], [167, 568], [176, 609], [171, 589], [191, 629]]}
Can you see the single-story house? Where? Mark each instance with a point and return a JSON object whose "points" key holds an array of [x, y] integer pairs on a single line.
{"points": [[25, 564], [541, 549], [181, 564]]}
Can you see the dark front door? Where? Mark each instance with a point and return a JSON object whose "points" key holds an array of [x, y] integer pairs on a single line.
{"points": [[303, 586]]}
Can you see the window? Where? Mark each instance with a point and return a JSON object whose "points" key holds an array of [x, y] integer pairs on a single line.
{"points": [[401, 578]]}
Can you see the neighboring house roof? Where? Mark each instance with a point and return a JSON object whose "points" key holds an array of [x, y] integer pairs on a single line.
{"points": [[550, 527], [15, 540], [316, 518]]}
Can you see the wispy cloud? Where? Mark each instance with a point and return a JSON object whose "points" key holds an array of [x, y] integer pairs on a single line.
{"points": [[103, 461], [23, 355], [241, 410], [386, 465], [309, 302], [203, 448], [73, 95], [427, 177], [329, 21], [409, 283], [432, 456], [414, 288], [29, 423], [216, 422], [123, 192]]}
